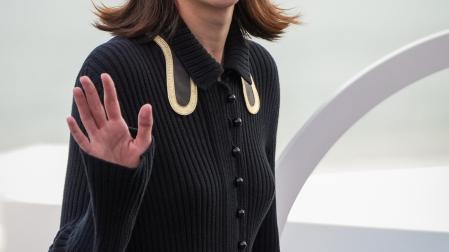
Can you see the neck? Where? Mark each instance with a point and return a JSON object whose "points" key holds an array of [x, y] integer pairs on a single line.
{"points": [[209, 25]]}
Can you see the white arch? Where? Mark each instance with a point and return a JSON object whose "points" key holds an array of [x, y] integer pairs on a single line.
{"points": [[351, 102]]}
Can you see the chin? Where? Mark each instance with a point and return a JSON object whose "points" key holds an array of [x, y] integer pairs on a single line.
{"points": [[219, 3]]}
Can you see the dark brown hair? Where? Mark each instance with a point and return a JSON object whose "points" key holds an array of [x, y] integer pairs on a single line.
{"points": [[259, 18]]}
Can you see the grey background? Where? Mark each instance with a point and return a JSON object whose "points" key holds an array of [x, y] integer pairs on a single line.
{"points": [[44, 43]]}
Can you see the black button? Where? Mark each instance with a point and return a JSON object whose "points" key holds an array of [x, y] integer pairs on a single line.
{"points": [[236, 151], [231, 98], [223, 82], [242, 244], [238, 181], [237, 121], [240, 213]]}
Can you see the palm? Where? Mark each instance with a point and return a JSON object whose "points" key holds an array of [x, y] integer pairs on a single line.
{"points": [[113, 142], [109, 138]]}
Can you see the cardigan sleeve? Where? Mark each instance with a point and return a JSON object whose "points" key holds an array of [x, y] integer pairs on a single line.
{"points": [[267, 238], [101, 199]]}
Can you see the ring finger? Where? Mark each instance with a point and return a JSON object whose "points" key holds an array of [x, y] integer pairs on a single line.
{"points": [[93, 100]]}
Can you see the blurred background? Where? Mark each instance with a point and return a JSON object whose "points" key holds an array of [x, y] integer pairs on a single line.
{"points": [[384, 185]]}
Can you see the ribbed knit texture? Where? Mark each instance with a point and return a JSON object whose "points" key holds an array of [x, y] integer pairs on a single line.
{"points": [[183, 195]]}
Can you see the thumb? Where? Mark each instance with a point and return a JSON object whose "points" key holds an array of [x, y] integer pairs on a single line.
{"points": [[145, 125]]}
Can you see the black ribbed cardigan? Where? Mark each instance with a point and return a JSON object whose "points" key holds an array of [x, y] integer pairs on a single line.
{"points": [[190, 193]]}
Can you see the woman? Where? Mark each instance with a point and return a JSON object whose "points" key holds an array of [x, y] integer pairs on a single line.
{"points": [[181, 156]]}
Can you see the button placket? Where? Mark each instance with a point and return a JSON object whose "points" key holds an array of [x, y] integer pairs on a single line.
{"points": [[235, 123]]}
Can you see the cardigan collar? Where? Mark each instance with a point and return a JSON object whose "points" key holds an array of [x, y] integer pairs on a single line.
{"points": [[200, 65]]}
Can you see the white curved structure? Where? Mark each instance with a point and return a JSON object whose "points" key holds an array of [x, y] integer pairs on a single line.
{"points": [[356, 98]]}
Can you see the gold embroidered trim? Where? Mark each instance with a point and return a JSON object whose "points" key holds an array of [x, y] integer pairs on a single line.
{"points": [[253, 109], [178, 108]]}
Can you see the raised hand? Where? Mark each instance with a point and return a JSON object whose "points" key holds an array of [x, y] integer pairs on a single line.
{"points": [[108, 137]]}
